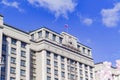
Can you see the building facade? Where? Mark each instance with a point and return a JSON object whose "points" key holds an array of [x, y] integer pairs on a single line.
{"points": [[43, 55], [105, 71]]}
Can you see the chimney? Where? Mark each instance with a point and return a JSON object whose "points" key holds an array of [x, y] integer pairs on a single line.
{"points": [[1, 20]]}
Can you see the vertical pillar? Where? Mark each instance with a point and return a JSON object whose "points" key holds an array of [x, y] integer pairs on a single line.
{"points": [[18, 60], [59, 67], [8, 58], [66, 70], [27, 62], [52, 66], [0, 48], [78, 72], [44, 65], [83, 68]]}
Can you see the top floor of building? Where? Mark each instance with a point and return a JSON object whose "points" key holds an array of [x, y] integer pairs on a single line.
{"points": [[62, 39]]}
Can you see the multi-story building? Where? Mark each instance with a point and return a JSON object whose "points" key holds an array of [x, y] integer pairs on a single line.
{"points": [[43, 55], [105, 71]]}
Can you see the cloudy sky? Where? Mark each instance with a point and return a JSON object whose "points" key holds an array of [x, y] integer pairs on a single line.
{"points": [[96, 23]]}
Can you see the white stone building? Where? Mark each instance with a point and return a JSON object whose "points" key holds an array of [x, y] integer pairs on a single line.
{"points": [[105, 71], [43, 55]]}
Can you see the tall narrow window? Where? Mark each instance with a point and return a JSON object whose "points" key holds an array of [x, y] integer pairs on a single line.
{"points": [[32, 36], [60, 40], [47, 34], [23, 44], [40, 34], [13, 41], [54, 37]]}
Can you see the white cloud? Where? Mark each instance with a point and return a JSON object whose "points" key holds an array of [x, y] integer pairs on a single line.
{"points": [[57, 7], [87, 21], [11, 4], [111, 17]]}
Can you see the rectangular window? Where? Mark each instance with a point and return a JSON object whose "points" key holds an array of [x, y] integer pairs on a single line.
{"points": [[86, 67], [81, 72], [56, 78], [12, 78], [13, 41], [13, 50], [72, 77], [48, 62], [12, 70], [34, 70], [48, 78], [48, 70], [32, 36], [60, 40], [23, 44], [56, 72], [55, 56], [48, 53], [55, 64], [62, 66], [62, 59], [80, 65], [83, 50], [23, 63], [54, 37], [22, 72], [40, 34], [13, 60], [47, 34], [23, 53], [81, 78], [63, 74], [86, 73]]}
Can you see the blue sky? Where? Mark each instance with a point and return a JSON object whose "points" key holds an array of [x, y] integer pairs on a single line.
{"points": [[94, 22]]}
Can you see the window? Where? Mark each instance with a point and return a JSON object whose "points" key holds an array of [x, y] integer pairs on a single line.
{"points": [[13, 41], [62, 58], [91, 69], [48, 78], [40, 34], [32, 36], [62, 66], [12, 78], [72, 61], [34, 70], [55, 56], [63, 74], [13, 50], [88, 52], [78, 46], [47, 34], [12, 70], [91, 75], [72, 77], [83, 50], [56, 72], [86, 73], [3, 69], [56, 78], [80, 65], [22, 72], [81, 78], [23, 45], [34, 78], [86, 67], [80, 72], [48, 53], [55, 64], [48, 70], [60, 40], [23, 53], [48, 62], [22, 63], [4, 47], [13, 60], [71, 68], [54, 37]]}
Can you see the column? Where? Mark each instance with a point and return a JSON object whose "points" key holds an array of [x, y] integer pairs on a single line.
{"points": [[78, 71], [66, 70], [27, 62], [18, 60], [8, 58], [52, 66], [0, 49], [83, 68], [59, 67], [89, 77], [44, 74]]}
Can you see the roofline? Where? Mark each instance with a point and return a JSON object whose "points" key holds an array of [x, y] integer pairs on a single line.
{"points": [[99, 63], [1, 15], [15, 28], [45, 28], [84, 45]]}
